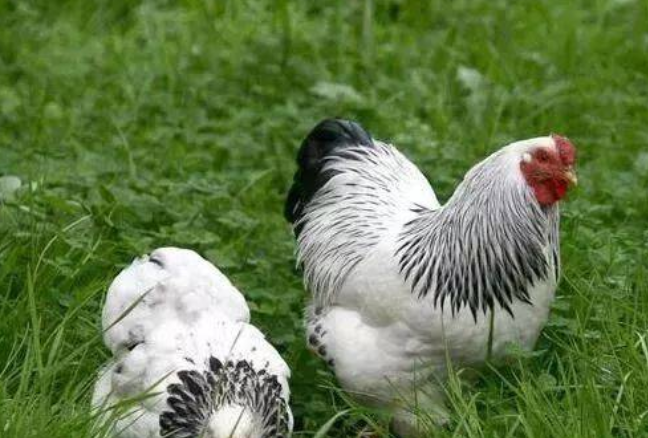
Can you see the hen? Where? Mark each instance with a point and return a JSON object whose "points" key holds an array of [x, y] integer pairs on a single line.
{"points": [[400, 283], [187, 363]]}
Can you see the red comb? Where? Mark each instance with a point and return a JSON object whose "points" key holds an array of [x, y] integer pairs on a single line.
{"points": [[566, 149]]}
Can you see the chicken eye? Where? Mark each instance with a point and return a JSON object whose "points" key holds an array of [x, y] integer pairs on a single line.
{"points": [[542, 156]]}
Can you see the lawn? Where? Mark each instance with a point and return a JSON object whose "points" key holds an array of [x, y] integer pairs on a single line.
{"points": [[133, 125]]}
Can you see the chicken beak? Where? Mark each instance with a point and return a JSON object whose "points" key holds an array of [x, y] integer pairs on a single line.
{"points": [[571, 176]]}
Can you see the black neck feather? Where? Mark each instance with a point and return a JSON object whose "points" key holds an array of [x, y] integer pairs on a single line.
{"points": [[488, 245]]}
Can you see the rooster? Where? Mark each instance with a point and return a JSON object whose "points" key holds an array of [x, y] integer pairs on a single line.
{"points": [[401, 284], [187, 363]]}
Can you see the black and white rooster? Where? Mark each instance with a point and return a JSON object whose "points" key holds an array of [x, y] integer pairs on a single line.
{"points": [[187, 363], [401, 283]]}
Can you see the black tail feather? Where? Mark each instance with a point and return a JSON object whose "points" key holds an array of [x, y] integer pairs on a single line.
{"points": [[328, 138]]}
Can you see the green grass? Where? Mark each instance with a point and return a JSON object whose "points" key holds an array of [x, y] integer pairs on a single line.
{"points": [[136, 125]]}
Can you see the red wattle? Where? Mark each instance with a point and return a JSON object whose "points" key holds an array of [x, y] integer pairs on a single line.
{"points": [[550, 191]]}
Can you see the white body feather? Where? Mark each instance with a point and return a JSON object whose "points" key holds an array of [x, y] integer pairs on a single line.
{"points": [[169, 316]]}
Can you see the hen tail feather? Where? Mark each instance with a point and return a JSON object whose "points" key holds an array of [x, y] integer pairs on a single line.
{"points": [[329, 138]]}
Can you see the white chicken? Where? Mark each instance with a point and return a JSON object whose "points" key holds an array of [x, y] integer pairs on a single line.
{"points": [[400, 283], [187, 363]]}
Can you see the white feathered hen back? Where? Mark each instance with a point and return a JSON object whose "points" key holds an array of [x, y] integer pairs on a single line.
{"points": [[187, 363], [170, 284]]}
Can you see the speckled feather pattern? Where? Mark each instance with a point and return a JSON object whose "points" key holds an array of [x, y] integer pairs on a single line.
{"points": [[352, 212], [233, 383], [484, 247]]}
